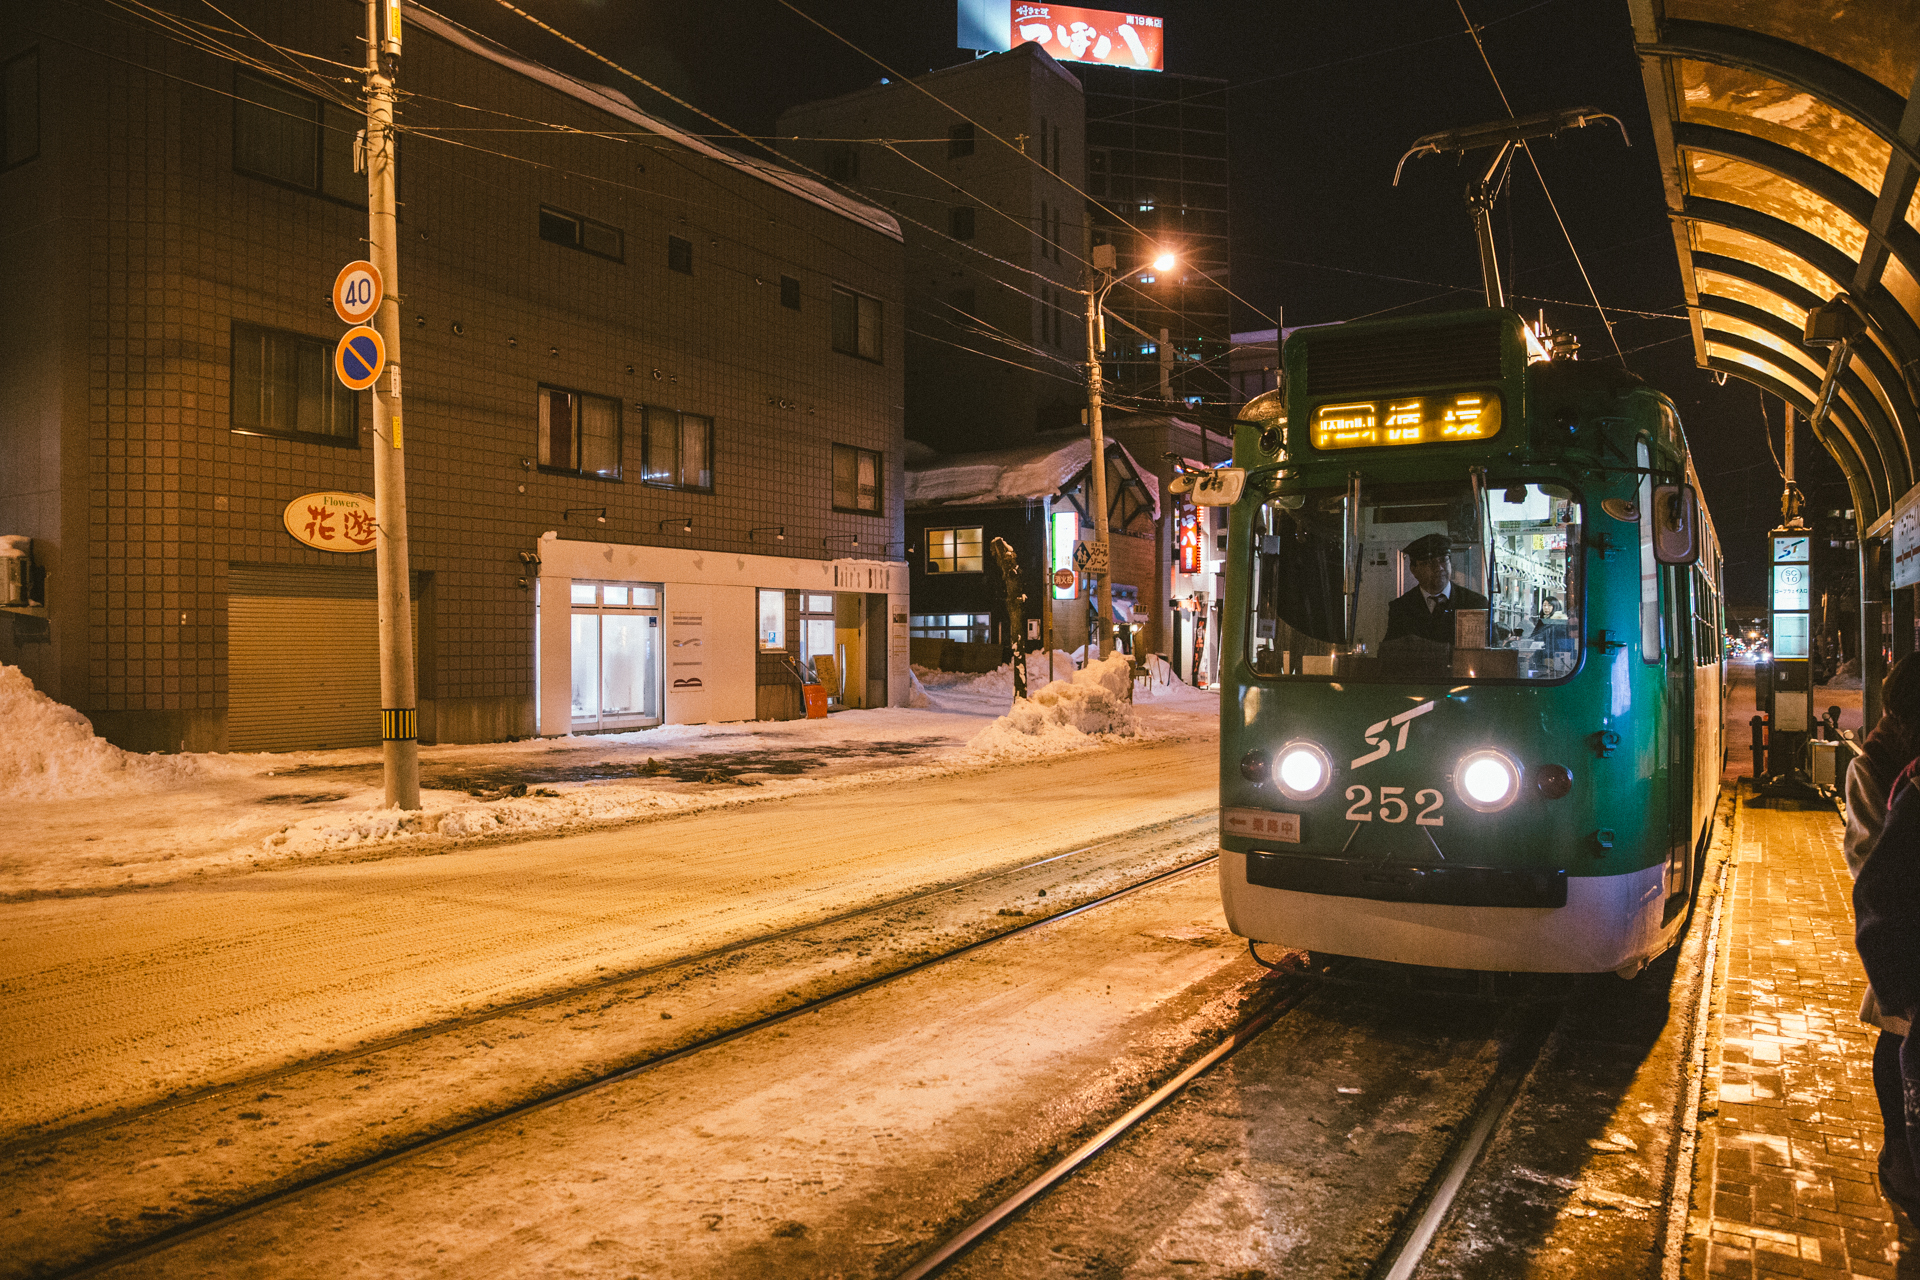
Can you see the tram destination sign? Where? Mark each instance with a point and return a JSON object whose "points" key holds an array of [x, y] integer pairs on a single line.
{"points": [[1401, 420]]}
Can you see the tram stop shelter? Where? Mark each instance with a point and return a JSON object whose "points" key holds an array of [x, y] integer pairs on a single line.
{"points": [[1789, 141]]}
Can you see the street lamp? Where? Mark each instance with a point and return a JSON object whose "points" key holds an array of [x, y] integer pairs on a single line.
{"points": [[1096, 295]]}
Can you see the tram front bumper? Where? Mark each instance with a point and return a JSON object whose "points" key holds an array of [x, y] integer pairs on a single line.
{"points": [[1607, 922]]}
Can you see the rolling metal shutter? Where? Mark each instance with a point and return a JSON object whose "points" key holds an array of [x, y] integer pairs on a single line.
{"points": [[303, 658]]}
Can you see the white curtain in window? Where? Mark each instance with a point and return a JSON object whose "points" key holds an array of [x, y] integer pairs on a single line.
{"points": [[599, 435]]}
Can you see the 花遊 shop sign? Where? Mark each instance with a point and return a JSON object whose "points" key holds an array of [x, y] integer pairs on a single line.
{"points": [[332, 521]]}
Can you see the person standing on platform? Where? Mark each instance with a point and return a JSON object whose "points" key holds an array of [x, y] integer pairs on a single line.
{"points": [[1883, 925]]}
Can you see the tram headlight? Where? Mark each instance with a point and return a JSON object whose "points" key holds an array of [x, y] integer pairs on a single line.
{"points": [[1486, 780], [1303, 771]]}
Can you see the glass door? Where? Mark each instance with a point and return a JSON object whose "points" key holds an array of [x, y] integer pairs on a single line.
{"points": [[616, 656]]}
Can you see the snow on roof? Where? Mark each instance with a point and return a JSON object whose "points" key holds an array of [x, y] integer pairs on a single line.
{"points": [[1038, 470], [613, 102]]}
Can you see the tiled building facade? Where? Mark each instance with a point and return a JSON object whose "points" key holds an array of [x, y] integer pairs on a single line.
{"points": [[996, 238], [180, 226]]}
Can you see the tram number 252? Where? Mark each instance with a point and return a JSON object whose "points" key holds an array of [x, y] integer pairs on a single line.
{"points": [[1394, 806]]}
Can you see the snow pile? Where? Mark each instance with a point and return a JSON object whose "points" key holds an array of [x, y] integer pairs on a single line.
{"points": [[48, 751], [916, 692], [1063, 715]]}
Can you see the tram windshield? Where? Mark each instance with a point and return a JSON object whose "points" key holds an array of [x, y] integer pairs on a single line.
{"points": [[1444, 580]]}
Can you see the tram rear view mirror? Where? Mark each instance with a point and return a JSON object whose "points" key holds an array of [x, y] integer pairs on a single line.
{"points": [[1676, 524], [1219, 488]]}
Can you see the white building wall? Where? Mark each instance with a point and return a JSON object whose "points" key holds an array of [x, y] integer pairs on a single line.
{"points": [[705, 595]]}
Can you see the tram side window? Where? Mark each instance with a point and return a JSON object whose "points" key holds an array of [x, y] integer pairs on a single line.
{"points": [[1650, 628], [1430, 581]]}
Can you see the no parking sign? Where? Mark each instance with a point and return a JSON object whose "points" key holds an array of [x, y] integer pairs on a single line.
{"points": [[359, 358]]}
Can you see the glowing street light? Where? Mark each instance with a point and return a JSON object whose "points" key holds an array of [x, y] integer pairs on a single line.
{"points": [[1098, 285]]}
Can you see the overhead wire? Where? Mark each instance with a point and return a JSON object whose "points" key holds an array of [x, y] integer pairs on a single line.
{"points": [[206, 38], [1371, 54], [1542, 178], [982, 128]]}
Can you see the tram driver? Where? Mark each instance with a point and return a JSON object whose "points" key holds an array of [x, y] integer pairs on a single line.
{"points": [[1426, 611]]}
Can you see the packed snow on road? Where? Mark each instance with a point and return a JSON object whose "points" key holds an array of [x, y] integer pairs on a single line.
{"points": [[90, 816]]}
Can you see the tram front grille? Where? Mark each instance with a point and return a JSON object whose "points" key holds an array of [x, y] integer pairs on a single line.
{"points": [[1353, 364]]}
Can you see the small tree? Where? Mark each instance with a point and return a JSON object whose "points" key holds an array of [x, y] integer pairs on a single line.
{"points": [[1009, 566]]}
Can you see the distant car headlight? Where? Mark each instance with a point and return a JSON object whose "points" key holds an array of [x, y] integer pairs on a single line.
{"points": [[1303, 771], [1486, 780]]}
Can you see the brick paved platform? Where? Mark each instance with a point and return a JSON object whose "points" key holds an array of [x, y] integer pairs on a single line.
{"points": [[1785, 1179]]}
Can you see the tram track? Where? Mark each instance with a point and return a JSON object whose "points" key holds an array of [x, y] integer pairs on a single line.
{"points": [[1174, 834], [1175, 829], [1527, 1025]]}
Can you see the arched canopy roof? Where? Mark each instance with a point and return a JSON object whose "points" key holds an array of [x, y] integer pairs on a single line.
{"points": [[1789, 142]]}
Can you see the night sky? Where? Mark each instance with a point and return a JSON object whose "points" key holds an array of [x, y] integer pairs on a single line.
{"points": [[1324, 98]]}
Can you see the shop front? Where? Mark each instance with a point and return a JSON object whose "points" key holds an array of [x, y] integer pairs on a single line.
{"points": [[628, 637], [1195, 592]]}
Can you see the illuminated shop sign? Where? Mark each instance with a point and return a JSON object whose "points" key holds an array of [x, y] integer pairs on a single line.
{"points": [[1068, 33], [1468, 415]]}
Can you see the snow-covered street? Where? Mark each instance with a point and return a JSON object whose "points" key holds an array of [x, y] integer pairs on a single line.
{"points": [[179, 924], [88, 817]]}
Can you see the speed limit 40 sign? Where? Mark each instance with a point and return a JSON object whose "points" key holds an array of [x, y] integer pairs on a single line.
{"points": [[357, 292]]}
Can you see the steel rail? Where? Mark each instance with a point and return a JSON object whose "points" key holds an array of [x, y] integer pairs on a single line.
{"points": [[406, 1150], [415, 1035], [1296, 991], [1409, 1248]]}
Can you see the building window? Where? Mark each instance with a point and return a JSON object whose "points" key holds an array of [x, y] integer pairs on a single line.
{"points": [[680, 255], [20, 109], [576, 232], [293, 138], [959, 141], [283, 385], [773, 620], [843, 163], [816, 628], [579, 433], [966, 628], [856, 324], [856, 480], [960, 222], [789, 292], [676, 449], [955, 551]]}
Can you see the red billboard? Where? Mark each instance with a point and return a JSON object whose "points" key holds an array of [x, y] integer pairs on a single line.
{"points": [[1092, 35]]}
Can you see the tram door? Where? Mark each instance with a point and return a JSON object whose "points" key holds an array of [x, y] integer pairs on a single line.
{"points": [[1677, 622]]}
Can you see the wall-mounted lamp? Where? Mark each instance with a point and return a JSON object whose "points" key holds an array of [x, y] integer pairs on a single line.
{"points": [[852, 539], [779, 533], [526, 464], [529, 557], [599, 513], [686, 524]]}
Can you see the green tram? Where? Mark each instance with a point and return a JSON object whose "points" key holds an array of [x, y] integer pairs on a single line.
{"points": [[1471, 684]]}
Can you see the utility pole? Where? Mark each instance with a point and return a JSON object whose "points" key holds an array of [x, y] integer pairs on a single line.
{"points": [[399, 728], [1100, 562]]}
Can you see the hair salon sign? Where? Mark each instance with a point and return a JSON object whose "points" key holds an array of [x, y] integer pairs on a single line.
{"points": [[332, 521]]}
